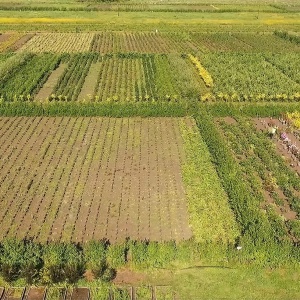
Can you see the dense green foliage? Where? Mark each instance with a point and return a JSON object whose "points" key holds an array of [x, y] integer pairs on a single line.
{"points": [[61, 262], [207, 199], [248, 75], [61, 108], [27, 74], [289, 37], [260, 240]]}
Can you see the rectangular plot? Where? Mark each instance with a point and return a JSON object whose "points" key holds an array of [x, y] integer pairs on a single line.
{"points": [[59, 43], [219, 42], [108, 174]]}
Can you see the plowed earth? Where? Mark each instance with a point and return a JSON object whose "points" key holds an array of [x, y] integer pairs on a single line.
{"points": [[77, 179]]}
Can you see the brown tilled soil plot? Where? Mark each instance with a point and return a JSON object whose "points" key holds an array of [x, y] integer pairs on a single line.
{"points": [[91, 178]]}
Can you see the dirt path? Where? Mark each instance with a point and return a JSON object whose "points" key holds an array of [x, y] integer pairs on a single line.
{"points": [[47, 89]]}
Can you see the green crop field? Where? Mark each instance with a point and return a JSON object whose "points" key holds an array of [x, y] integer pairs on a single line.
{"points": [[149, 149]]}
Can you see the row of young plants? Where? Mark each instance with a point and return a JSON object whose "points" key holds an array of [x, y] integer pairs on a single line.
{"points": [[62, 108], [258, 98], [146, 109], [260, 242], [210, 216]]}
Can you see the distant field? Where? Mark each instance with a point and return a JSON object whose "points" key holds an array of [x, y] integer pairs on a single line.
{"points": [[145, 20], [150, 66]]}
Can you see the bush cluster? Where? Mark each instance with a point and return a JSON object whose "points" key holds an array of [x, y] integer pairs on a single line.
{"points": [[67, 262]]}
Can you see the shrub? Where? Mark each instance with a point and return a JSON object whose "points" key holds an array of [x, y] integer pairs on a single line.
{"points": [[116, 255], [95, 257], [12, 258]]}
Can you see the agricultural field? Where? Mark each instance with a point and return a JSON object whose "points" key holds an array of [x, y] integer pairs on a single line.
{"points": [[124, 187], [274, 184], [59, 42], [105, 187], [149, 150]]}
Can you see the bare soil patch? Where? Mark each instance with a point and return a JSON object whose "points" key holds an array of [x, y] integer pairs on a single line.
{"points": [[36, 294], [4, 37], [130, 277]]}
